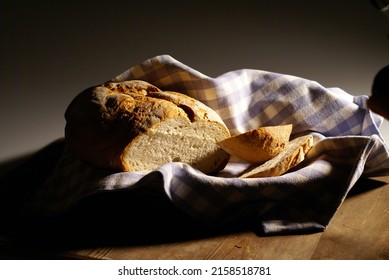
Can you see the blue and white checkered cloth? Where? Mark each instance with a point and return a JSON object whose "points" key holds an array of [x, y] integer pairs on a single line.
{"points": [[348, 146]]}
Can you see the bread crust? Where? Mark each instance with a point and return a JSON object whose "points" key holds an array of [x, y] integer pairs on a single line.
{"points": [[258, 145], [290, 157], [103, 121]]}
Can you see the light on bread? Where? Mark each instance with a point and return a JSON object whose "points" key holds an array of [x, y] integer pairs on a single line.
{"points": [[290, 157], [135, 126], [258, 145]]}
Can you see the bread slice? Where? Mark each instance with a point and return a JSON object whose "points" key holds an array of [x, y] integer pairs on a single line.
{"points": [[291, 156], [134, 126], [258, 145]]}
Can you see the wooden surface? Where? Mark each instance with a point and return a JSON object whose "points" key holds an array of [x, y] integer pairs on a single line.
{"points": [[359, 230]]}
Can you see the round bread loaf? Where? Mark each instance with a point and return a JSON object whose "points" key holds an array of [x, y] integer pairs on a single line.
{"points": [[135, 126]]}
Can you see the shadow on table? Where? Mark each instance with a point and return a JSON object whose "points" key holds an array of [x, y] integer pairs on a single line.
{"points": [[119, 218], [113, 219], [109, 219]]}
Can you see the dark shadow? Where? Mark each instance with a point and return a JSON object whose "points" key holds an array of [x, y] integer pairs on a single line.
{"points": [[112, 219], [121, 218], [7, 166], [364, 185]]}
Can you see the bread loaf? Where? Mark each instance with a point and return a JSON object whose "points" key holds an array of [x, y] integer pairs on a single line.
{"points": [[291, 156], [135, 126], [258, 145]]}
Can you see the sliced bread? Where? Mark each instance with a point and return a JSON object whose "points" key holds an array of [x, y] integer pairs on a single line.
{"points": [[258, 145], [135, 126], [291, 156]]}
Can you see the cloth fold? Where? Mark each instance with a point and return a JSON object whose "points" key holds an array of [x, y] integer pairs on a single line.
{"points": [[348, 146]]}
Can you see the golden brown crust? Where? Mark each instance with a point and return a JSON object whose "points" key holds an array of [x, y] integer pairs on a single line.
{"points": [[102, 121], [258, 145], [287, 159]]}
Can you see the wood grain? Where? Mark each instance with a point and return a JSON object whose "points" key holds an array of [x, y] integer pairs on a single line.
{"points": [[359, 230]]}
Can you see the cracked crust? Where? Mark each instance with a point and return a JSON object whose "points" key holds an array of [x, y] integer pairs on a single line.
{"points": [[103, 122]]}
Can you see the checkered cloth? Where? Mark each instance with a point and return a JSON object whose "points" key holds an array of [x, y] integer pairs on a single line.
{"points": [[348, 146]]}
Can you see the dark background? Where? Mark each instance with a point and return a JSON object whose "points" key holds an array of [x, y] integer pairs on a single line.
{"points": [[52, 50]]}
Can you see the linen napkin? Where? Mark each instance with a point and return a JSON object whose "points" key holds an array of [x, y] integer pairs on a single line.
{"points": [[348, 146]]}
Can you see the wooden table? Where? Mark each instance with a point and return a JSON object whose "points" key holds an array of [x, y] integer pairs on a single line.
{"points": [[359, 230]]}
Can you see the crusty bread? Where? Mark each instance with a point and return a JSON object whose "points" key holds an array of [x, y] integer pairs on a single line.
{"points": [[134, 126], [258, 145], [292, 155]]}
